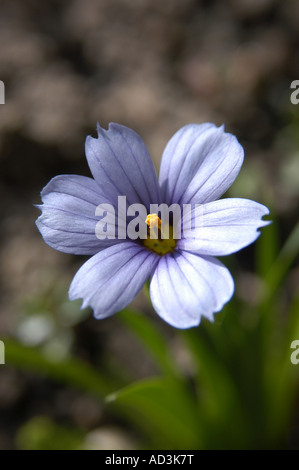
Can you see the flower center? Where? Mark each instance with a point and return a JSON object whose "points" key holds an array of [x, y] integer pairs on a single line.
{"points": [[159, 236]]}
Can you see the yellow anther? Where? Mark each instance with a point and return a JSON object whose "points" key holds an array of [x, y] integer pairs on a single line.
{"points": [[153, 221], [160, 236]]}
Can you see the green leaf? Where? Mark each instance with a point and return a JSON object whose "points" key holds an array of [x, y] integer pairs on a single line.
{"points": [[156, 344], [71, 371], [218, 397], [281, 265], [282, 377], [266, 249], [164, 409]]}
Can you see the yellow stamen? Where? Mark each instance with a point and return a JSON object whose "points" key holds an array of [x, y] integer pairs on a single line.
{"points": [[159, 236], [154, 223]]}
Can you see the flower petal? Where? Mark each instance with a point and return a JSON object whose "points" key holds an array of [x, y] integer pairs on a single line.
{"points": [[68, 220], [111, 279], [185, 287], [222, 227], [199, 163], [121, 165]]}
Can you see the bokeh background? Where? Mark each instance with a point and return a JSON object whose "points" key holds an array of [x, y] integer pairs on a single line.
{"points": [[154, 66]]}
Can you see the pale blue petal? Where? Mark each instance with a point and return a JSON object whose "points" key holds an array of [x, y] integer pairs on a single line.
{"points": [[111, 279], [222, 227], [186, 287], [121, 165], [68, 220], [199, 164]]}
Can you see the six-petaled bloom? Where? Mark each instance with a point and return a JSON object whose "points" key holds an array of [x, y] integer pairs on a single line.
{"points": [[199, 163]]}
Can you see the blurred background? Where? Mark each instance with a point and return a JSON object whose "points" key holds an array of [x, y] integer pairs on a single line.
{"points": [[153, 66]]}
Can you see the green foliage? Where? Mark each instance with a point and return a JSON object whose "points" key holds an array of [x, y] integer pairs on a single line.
{"points": [[150, 337], [238, 390], [40, 433], [71, 371], [164, 409]]}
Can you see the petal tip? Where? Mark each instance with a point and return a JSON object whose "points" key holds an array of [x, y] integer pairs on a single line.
{"points": [[38, 206]]}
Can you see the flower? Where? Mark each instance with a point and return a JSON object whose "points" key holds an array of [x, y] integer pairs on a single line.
{"points": [[187, 282]]}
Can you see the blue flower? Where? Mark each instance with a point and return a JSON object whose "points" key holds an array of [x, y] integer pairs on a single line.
{"points": [[187, 282]]}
